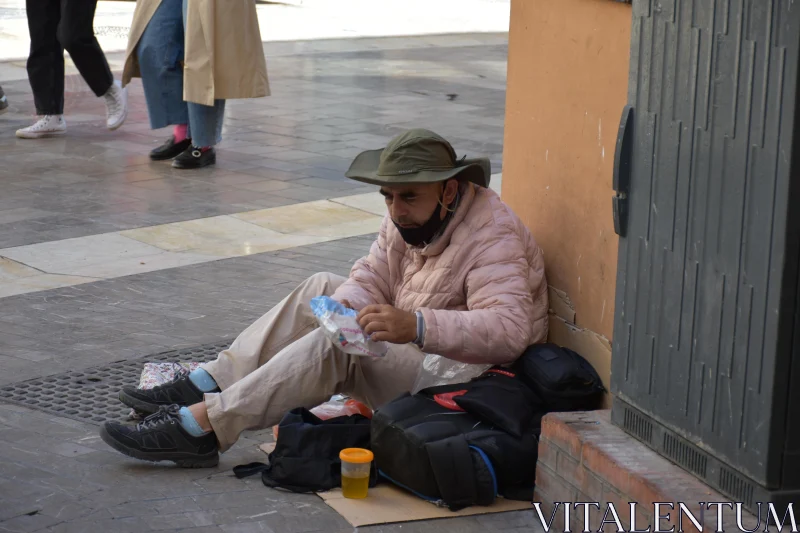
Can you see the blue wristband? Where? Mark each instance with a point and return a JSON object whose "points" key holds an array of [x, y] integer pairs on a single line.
{"points": [[420, 341]]}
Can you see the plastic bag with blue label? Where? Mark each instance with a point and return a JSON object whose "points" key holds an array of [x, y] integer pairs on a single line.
{"points": [[341, 327]]}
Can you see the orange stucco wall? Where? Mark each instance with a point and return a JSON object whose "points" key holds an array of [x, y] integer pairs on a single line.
{"points": [[567, 85]]}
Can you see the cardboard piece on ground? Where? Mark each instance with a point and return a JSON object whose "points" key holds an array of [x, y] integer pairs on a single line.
{"points": [[387, 504]]}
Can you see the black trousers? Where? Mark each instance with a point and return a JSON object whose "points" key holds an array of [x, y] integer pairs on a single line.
{"points": [[55, 26]]}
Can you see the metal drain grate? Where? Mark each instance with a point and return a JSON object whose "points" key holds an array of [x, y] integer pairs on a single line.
{"points": [[91, 395]]}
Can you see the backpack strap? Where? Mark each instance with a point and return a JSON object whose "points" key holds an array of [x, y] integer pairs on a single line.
{"points": [[451, 462], [252, 469], [249, 469]]}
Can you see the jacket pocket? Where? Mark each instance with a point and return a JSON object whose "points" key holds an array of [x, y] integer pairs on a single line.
{"points": [[173, 46]]}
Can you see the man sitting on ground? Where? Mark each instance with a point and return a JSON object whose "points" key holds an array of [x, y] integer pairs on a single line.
{"points": [[453, 272]]}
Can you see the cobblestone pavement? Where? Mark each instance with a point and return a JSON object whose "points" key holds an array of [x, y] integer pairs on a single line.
{"points": [[55, 473]]}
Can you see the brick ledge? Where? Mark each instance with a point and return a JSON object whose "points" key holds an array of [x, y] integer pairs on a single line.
{"points": [[583, 457]]}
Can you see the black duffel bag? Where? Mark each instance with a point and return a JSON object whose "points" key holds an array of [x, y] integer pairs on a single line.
{"points": [[306, 454], [562, 378]]}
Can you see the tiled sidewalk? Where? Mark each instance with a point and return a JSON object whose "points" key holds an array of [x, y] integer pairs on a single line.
{"points": [[66, 203], [290, 147]]}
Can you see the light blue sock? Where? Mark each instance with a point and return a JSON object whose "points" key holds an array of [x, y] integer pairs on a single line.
{"points": [[189, 423], [203, 380]]}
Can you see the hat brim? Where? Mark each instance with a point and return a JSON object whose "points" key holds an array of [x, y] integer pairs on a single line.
{"points": [[365, 169]]}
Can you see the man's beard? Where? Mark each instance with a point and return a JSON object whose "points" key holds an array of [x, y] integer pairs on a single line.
{"points": [[424, 234]]}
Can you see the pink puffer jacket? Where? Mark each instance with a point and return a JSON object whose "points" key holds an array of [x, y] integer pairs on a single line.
{"points": [[480, 286]]}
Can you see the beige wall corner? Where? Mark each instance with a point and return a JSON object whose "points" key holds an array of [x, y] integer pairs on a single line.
{"points": [[560, 305], [567, 85], [593, 347]]}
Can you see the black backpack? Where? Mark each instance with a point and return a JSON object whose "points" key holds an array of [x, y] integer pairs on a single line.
{"points": [[306, 454], [447, 457], [465, 444]]}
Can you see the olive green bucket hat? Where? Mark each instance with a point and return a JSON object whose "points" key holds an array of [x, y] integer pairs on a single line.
{"points": [[417, 156]]}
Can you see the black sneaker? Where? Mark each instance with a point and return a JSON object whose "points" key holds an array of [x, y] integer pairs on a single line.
{"points": [[3, 102], [160, 437], [170, 149], [180, 391], [194, 157]]}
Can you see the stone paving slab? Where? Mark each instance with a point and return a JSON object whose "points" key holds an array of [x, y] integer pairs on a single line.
{"points": [[69, 262]]}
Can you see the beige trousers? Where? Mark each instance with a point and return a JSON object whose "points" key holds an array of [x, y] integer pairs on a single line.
{"points": [[284, 361]]}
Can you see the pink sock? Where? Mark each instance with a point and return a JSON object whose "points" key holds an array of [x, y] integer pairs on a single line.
{"points": [[205, 148], [179, 132]]}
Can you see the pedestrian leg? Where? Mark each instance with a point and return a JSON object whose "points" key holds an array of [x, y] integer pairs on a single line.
{"points": [[76, 34], [160, 52], [45, 69], [205, 130]]}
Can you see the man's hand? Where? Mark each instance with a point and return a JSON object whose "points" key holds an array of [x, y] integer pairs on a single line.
{"points": [[387, 323]]}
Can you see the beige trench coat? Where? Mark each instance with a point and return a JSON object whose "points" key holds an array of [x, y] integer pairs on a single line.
{"points": [[224, 57]]}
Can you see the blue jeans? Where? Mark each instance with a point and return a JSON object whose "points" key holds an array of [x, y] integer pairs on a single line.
{"points": [[160, 53]]}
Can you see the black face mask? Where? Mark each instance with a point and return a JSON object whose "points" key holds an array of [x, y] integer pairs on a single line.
{"points": [[425, 233]]}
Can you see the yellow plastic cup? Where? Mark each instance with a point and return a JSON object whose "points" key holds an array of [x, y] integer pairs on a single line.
{"points": [[356, 463]]}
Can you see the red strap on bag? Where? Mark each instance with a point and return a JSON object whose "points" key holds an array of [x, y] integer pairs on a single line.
{"points": [[501, 372], [446, 400]]}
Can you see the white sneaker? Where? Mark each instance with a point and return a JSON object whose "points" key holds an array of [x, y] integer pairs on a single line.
{"points": [[117, 105], [47, 126]]}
